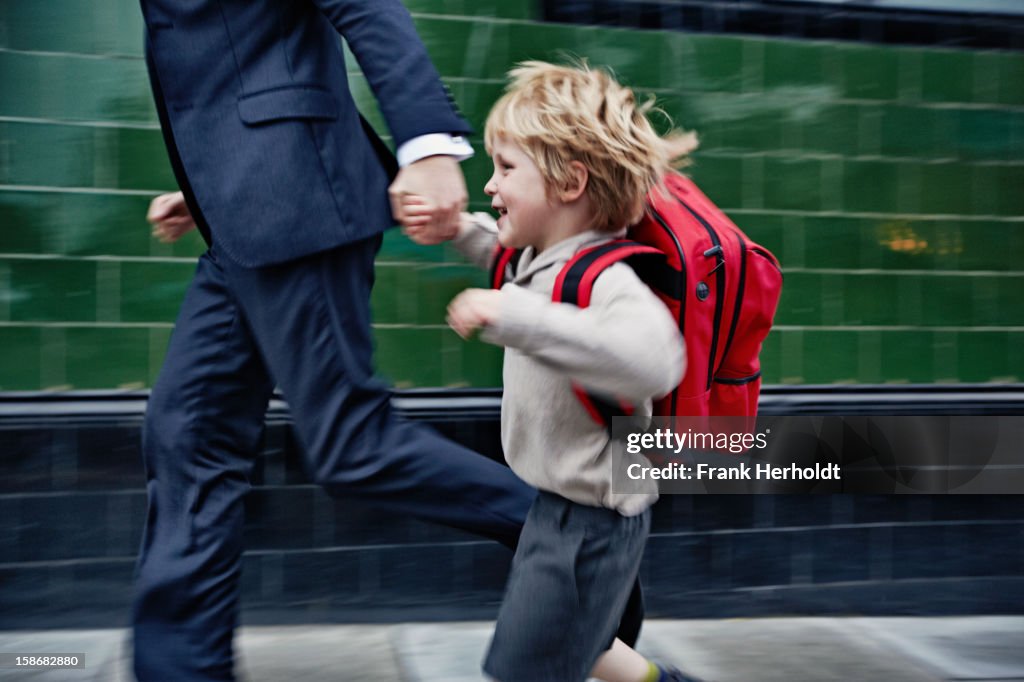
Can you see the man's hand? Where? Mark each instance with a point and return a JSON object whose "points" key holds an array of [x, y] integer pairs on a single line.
{"points": [[170, 217], [438, 181], [473, 309]]}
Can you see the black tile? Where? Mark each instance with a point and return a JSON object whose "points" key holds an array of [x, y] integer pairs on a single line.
{"points": [[840, 555]]}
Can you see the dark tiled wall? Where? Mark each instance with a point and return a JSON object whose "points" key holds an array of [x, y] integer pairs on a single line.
{"points": [[886, 179], [72, 505]]}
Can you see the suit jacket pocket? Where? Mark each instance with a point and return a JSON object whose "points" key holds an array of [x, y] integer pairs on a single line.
{"points": [[287, 102]]}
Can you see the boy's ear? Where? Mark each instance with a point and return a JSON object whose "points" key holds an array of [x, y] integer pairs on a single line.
{"points": [[577, 185]]}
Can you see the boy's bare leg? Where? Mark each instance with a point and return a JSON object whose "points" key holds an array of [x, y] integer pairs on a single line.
{"points": [[622, 664]]}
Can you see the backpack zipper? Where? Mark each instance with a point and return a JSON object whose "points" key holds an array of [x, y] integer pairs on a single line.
{"points": [[720, 284]]}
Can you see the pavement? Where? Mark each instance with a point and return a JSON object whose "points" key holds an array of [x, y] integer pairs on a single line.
{"points": [[854, 649]]}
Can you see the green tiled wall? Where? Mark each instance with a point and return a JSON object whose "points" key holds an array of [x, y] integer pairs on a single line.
{"points": [[889, 181]]}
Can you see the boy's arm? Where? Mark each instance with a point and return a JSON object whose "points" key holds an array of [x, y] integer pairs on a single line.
{"points": [[477, 237], [624, 344]]}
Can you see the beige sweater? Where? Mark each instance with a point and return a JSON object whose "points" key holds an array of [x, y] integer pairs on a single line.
{"points": [[624, 344]]}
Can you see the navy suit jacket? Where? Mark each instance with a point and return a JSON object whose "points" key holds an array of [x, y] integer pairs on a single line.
{"points": [[262, 131]]}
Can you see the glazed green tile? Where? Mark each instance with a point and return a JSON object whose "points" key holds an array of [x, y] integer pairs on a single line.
{"points": [[914, 131], [107, 357], [869, 72], [504, 9], [20, 361], [366, 102], [765, 229], [796, 67], [710, 63], [396, 247], [800, 303], [480, 366], [556, 43], [984, 245], [439, 285], [832, 242], [1011, 179], [52, 290], [409, 357], [1011, 78], [726, 122], [996, 189], [152, 292], [903, 244], [990, 134], [949, 302], [74, 224], [78, 88], [23, 214], [47, 155], [109, 27], [947, 76], [637, 58], [908, 357], [98, 224], [138, 158], [792, 184], [419, 294], [945, 189], [468, 49], [771, 358], [871, 300], [871, 186], [475, 99], [1008, 305], [831, 357], [720, 178], [829, 128], [983, 355], [831, 294], [477, 170]]}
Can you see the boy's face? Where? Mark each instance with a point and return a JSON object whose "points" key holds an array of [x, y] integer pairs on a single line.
{"points": [[517, 193]]}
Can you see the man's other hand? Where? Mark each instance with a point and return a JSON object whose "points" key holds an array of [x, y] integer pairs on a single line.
{"points": [[438, 181], [170, 217]]}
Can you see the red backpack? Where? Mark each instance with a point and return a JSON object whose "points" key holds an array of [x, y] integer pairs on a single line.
{"points": [[721, 287]]}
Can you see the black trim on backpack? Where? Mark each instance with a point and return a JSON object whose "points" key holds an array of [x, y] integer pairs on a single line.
{"points": [[739, 298], [739, 381], [503, 258]]}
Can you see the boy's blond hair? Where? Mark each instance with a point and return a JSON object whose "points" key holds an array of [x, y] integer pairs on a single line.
{"points": [[559, 114]]}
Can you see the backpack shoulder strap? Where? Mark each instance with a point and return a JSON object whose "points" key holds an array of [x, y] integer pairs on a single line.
{"points": [[503, 259], [575, 284]]}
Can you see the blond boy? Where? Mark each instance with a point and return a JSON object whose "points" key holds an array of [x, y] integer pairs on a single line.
{"points": [[574, 156]]}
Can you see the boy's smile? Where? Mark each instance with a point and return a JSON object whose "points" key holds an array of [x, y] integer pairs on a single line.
{"points": [[517, 194]]}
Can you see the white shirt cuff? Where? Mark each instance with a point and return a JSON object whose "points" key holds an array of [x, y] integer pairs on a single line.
{"points": [[434, 144]]}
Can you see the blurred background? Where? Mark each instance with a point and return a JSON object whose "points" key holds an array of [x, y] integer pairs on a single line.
{"points": [[877, 148]]}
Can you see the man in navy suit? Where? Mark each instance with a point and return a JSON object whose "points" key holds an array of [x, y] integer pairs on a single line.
{"points": [[290, 189]]}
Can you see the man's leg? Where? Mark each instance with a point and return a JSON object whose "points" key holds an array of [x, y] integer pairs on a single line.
{"points": [[203, 425], [311, 319]]}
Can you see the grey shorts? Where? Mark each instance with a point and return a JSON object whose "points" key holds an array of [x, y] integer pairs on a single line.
{"points": [[570, 580]]}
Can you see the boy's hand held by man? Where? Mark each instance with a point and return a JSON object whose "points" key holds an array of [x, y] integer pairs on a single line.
{"points": [[438, 181], [472, 310]]}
